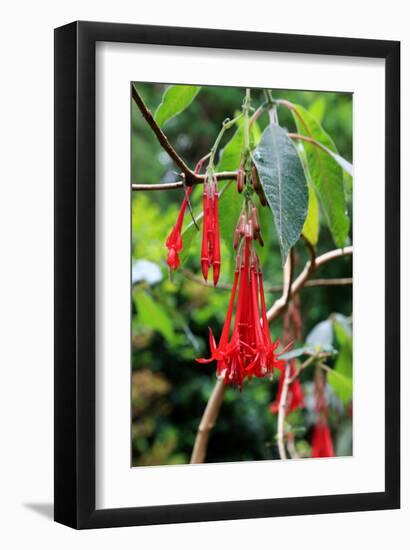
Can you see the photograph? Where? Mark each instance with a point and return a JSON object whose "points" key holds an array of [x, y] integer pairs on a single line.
{"points": [[242, 274]]}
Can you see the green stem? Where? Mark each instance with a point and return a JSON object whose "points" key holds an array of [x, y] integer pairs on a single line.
{"points": [[226, 125], [246, 107]]}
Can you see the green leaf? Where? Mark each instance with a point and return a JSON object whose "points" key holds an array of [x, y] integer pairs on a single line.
{"points": [[152, 315], [318, 108], [311, 228], [341, 384], [283, 180], [326, 174], [176, 99]]}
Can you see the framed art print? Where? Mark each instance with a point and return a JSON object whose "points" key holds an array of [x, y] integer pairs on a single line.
{"points": [[227, 306]]}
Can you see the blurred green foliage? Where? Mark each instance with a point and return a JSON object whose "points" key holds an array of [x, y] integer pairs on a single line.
{"points": [[171, 318]]}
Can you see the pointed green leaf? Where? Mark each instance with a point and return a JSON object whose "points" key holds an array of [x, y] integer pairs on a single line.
{"points": [[176, 99], [283, 180], [326, 173], [318, 108]]}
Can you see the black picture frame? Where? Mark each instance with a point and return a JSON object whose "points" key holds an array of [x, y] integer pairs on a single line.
{"points": [[75, 274]]}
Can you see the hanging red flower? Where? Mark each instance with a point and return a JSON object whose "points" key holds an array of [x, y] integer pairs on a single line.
{"points": [[248, 350], [174, 240], [322, 445], [210, 250]]}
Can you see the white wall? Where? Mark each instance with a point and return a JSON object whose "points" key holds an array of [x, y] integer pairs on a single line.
{"points": [[26, 289]]}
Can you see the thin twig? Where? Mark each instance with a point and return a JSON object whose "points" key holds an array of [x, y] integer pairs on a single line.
{"points": [[200, 281], [282, 414], [220, 176], [302, 367], [324, 367], [162, 138], [338, 281], [188, 201], [310, 268], [207, 423], [272, 289]]}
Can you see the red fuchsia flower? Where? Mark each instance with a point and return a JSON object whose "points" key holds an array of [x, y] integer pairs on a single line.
{"points": [[295, 398], [322, 446], [210, 250], [248, 350], [174, 240]]}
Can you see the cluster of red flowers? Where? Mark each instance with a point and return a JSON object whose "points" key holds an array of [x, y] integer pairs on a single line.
{"points": [[322, 446], [247, 350], [211, 250]]}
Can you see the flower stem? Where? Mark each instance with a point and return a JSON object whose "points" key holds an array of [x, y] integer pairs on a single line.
{"points": [[226, 125]]}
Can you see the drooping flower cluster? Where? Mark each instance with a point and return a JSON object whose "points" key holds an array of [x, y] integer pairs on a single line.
{"points": [[295, 398], [211, 250], [245, 349]]}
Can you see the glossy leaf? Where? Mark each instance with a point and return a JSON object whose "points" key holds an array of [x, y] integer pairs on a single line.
{"points": [[284, 183], [326, 174], [175, 100]]}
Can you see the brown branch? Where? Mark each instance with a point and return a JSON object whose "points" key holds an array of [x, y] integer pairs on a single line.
{"points": [[282, 414], [207, 423], [311, 267], [200, 281], [190, 176], [303, 366], [312, 283], [338, 281], [309, 140], [200, 178]]}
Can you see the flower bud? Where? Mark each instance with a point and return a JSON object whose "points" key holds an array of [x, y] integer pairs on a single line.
{"points": [[240, 180]]}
